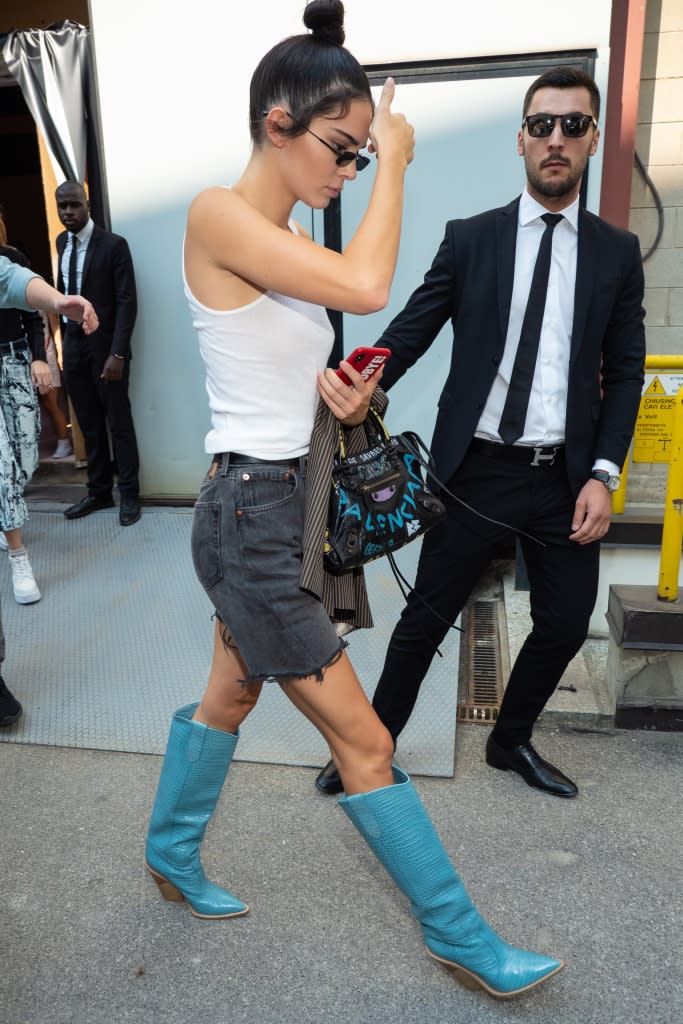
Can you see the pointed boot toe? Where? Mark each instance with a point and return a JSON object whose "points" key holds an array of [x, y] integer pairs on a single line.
{"points": [[508, 972], [203, 898]]}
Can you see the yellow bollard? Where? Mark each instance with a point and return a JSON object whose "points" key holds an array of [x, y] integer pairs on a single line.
{"points": [[672, 530], [619, 496]]}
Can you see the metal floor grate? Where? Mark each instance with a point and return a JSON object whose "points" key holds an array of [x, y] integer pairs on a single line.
{"points": [[481, 662], [123, 635]]}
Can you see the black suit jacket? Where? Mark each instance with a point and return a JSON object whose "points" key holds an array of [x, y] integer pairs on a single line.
{"points": [[470, 283], [109, 283]]}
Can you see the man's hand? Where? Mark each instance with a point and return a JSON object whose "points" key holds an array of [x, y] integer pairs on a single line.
{"points": [[41, 376], [592, 513], [113, 369]]}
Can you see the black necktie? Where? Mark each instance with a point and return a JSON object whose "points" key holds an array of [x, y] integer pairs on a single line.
{"points": [[514, 412], [73, 280]]}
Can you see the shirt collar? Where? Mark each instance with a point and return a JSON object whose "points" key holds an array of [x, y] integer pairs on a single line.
{"points": [[85, 233], [530, 209]]}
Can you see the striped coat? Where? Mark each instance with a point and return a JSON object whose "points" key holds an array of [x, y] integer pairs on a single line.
{"points": [[344, 597]]}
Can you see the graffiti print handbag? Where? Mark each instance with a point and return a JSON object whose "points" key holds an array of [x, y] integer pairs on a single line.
{"points": [[380, 499]]}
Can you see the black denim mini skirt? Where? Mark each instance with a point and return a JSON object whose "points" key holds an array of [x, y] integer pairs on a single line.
{"points": [[247, 537]]}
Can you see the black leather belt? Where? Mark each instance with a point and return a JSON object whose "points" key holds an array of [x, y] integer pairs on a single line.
{"points": [[541, 455], [238, 459], [7, 348]]}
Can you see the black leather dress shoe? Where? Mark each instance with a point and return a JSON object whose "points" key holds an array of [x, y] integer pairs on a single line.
{"points": [[10, 708], [329, 780], [534, 770], [130, 511], [87, 505]]}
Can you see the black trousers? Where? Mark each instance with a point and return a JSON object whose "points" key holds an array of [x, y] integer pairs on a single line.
{"points": [[563, 578], [97, 402]]}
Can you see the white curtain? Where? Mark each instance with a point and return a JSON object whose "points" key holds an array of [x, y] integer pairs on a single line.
{"points": [[54, 70]]}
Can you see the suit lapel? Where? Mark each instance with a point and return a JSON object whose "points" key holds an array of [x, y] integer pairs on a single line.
{"points": [[95, 239], [586, 270], [506, 239], [61, 243]]}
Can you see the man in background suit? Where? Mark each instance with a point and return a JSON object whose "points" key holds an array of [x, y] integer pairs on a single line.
{"points": [[97, 264], [535, 418]]}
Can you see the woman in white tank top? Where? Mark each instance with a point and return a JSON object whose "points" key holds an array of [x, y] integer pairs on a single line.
{"points": [[258, 288]]}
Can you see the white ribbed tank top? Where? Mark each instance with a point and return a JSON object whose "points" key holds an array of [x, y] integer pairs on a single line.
{"points": [[261, 364]]}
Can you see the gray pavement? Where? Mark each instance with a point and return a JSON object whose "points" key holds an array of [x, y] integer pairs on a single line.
{"points": [[85, 937]]}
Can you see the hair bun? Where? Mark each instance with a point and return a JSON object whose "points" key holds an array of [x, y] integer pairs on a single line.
{"points": [[325, 19]]}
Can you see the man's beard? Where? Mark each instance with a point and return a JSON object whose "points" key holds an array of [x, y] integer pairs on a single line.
{"points": [[555, 189]]}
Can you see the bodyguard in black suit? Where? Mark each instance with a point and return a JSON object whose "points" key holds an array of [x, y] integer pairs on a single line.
{"points": [[97, 264], [534, 420]]}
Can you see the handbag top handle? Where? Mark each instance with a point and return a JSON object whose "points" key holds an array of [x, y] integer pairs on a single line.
{"points": [[382, 432]]}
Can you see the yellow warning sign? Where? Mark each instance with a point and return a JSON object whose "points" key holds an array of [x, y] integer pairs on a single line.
{"points": [[654, 426], [655, 387]]}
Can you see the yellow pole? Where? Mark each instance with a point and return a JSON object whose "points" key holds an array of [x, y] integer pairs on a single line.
{"points": [[672, 531], [663, 362], [619, 496]]}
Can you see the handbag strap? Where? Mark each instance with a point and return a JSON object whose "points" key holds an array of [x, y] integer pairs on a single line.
{"points": [[382, 432], [409, 589], [413, 442]]}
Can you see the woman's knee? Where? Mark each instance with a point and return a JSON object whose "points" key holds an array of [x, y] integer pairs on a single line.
{"points": [[227, 711], [378, 750]]}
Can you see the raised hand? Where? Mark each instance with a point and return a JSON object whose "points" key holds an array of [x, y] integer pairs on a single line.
{"points": [[390, 133]]}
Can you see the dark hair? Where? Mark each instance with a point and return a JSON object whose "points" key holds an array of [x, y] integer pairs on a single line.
{"points": [[564, 78], [312, 74], [72, 186]]}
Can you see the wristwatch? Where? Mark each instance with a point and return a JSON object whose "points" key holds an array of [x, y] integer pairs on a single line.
{"points": [[610, 482]]}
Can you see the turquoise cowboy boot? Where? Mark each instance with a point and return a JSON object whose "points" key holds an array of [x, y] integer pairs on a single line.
{"points": [[196, 763], [397, 829]]}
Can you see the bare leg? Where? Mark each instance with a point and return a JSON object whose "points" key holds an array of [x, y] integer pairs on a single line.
{"points": [[337, 707], [226, 701], [13, 538], [360, 745]]}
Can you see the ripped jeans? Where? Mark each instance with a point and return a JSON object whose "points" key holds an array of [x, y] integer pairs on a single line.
{"points": [[19, 431]]}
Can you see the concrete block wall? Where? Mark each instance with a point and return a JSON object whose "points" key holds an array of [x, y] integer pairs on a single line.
{"points": [[659, 143]]}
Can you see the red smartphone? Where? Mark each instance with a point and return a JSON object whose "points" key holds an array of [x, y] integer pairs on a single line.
{"points": [[366, 360]]}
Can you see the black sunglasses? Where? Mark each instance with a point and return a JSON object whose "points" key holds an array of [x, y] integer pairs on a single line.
{"points": [[343, 156], [574, 126]]}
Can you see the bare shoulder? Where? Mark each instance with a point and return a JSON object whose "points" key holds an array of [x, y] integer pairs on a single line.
{"points": [[209, 203], [301, 231]]}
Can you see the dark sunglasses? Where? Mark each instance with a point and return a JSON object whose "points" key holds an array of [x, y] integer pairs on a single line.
{"points": [[574, 126], [344, 157]]}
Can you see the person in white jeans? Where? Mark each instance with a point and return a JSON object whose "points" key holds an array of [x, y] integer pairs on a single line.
{"points": [[21, 288]]}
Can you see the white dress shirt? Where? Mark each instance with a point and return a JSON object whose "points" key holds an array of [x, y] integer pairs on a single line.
{"points": [[546, 414], [83, 236]]}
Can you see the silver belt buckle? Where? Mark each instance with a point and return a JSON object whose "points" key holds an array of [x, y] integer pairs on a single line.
{"points": [[539, 457]]}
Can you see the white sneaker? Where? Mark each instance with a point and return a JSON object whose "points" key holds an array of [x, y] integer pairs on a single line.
{"points": [[63, 449], [4, 546], [25, 587]]}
